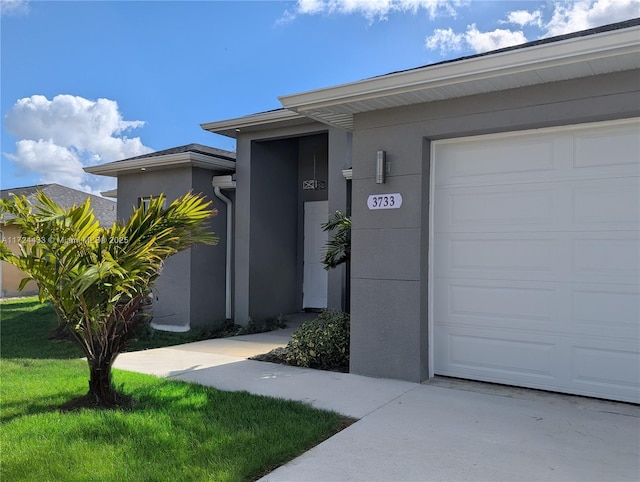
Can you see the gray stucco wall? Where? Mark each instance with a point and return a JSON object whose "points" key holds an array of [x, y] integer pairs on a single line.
{"points": [[171, 293], [339, 158], [270, 167], [273, 278], [190, 290], [389, 309], [208, 262]]}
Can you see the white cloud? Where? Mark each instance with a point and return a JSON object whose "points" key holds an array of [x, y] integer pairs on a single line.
{"points": [[14, 7], [524, 17], [566, 16], [497, 39], [373, 9], [583, 14], [56, 163], [310, 7], [446, 40], [58, 137]]}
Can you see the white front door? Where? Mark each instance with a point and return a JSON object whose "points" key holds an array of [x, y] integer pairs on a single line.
{"points": [[316, 213], [536, 264]]}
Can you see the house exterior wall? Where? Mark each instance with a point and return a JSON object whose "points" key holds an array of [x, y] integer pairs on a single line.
{"points": [[339, 158], [273, 244], [172, 290], [208, 262], [389, 321], [270, 168], [191, 289], [12, 276]]}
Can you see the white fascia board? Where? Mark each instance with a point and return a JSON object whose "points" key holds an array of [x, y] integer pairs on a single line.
{"points": [[564, 52], [260, 119], [160, 162]]}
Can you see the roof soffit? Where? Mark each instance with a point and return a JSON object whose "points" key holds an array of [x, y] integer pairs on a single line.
{"points": [[572, 58], [257, 122], [193, 159]]}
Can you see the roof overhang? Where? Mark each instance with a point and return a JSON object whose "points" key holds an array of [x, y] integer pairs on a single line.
{"points": [[154, 163], [257, 122], [112, 193], [601, 53]]}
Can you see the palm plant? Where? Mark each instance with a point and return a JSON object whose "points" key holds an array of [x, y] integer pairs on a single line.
{"points": [[97, 277], [339, 246]]}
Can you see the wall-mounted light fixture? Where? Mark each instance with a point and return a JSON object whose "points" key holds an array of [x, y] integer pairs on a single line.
{"points": [[314, 184], [381, 167]]}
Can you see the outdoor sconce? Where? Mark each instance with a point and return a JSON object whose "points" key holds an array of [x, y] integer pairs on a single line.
{"points": [[381, 167]]}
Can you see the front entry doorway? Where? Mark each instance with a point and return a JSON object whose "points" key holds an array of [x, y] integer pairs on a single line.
{"points": [[315, 280]]}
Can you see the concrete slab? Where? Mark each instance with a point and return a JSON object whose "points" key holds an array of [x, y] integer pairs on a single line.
{"points": [[435, 433], [348, 394], [445, 430], [201, 354], [166, 362], [237, 346]]}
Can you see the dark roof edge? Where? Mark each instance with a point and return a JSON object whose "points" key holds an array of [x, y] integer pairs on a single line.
{"points": [[557, 38]]}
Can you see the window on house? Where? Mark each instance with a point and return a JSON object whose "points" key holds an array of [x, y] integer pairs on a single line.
{"points": [[144, 202]]}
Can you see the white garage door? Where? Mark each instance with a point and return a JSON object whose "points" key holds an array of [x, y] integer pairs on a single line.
{"points": [[536, 259]]}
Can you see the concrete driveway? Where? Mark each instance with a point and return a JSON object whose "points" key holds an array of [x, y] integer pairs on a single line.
{"points": [[444, 430]]}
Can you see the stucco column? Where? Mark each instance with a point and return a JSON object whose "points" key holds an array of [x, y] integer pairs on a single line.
{"points": [[242, 231], [339, 159], [388, 317]]}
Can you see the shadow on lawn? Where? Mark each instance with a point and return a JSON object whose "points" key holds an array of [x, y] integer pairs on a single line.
{"points": [[25, 325], [35, 406]]}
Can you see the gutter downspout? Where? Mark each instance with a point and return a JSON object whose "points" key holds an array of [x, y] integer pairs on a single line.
{"points": [[226, 182]]}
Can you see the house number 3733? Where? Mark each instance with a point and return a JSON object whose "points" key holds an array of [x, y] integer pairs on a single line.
{"points": [[384, 201]]}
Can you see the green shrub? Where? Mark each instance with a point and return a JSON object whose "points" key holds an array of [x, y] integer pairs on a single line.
{"points": [[322, 343]]}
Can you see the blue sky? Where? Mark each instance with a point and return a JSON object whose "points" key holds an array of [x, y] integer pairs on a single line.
{"points": [[85, 83]]}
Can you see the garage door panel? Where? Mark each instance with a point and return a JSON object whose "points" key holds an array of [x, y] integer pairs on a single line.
{"points": [[597, 203], [536, 263], [606, 311], [611, 257], [584, 154], [506, 256], [489, 354], [495, 207], [602, 368], [467, 160], [500, 254], [480, 303], [570, 205], [600, 147]]}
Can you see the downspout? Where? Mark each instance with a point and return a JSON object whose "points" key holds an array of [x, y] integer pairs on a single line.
{"points": [[348, 176], [218, 183]]}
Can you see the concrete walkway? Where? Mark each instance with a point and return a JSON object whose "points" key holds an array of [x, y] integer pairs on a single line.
{"points": [[444, 430]]}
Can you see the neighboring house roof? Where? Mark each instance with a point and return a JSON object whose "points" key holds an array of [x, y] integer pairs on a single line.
{"points": [[195, 155], [103, 209], [601, 50]]}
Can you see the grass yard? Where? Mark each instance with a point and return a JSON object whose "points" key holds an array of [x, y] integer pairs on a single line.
{"points": [[176, 431]]}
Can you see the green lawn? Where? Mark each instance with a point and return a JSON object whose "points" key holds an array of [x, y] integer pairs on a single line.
{"points": [[176, 431]]}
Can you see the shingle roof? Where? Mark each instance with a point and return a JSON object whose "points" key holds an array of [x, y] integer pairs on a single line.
{"points": [[582, 33], [103, 209], [199, 148]]}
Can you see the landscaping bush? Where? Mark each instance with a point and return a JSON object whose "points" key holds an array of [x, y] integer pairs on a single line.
{"points": [[322, 343]]}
